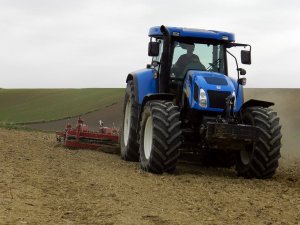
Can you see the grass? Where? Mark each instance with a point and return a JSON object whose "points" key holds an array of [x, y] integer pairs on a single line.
{"points": [[36, 105], [14, 126]]}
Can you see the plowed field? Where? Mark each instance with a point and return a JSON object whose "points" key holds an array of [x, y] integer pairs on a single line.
{"points": [[42, 183]]}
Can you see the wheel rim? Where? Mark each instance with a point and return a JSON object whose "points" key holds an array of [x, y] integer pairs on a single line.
{"points": [[127, 121], [148, 135]]}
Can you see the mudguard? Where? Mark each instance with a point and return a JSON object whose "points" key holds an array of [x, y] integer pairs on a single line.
{"points": [[159, 96], [254, 102], [144, 83]]}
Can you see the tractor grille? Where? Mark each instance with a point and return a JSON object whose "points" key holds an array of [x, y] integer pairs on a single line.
{"points": [[217, 99], [215, 80]]}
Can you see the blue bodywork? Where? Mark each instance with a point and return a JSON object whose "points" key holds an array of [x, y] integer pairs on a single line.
{"points": [[199, 78], [146, 84], [193, 33]]}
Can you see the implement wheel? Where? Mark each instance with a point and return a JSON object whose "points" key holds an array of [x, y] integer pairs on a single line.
{"points": [[260, 159], [160, 137], [129, 144]]}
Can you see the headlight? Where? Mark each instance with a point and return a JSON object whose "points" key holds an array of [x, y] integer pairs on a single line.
{"points": [[202, 99]]}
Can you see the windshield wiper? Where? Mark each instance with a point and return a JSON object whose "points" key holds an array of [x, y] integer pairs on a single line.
{"points": [[213, 65]]}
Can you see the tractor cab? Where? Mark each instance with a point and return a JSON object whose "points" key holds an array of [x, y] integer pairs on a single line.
{"points": [[188, 55], [183, 56]]}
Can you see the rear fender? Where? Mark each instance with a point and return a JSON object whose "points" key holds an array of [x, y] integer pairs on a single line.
{"points": [[132, 77], [145, 83]]}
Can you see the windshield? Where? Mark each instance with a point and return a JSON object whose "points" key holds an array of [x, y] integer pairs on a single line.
{"points": [[197, 56]]}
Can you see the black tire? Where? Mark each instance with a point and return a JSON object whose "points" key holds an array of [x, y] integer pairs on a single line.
{"points": [[161, 122], [260, 159], [130, 146], [219, 158]]}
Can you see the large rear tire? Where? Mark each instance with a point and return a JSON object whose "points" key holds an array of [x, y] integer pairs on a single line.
{"points": [[260, 159], [160, 137], [129, 144]]}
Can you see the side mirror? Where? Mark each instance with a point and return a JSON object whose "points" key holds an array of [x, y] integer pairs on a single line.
{"points": [[246, 57], [153, 49]]}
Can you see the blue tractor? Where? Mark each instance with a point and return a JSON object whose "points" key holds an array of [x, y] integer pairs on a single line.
{"points": [[185, 103]]}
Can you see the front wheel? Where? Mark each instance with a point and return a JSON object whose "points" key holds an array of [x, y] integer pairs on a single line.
{"points": [[160, 137], [260, 159]]}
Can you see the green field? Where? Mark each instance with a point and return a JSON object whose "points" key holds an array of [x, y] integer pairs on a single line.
{"points": [[34, 105]]}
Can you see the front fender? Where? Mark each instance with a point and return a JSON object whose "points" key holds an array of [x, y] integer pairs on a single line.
{"points": [[158, 96], [254, 102]]}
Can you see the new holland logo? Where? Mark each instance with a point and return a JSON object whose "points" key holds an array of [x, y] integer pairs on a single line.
{"points": [[218, 87]]}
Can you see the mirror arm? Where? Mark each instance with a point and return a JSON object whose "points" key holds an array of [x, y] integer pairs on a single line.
{"points": [[229, 45], [238, 73]]}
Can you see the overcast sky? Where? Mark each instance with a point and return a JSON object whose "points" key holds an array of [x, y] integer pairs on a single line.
{"points": [[93, 43]]}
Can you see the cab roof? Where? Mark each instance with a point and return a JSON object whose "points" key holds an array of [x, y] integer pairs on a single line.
{"points": [[193, 33]]}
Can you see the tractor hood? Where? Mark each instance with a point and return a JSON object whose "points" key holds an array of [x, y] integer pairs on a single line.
{"points": [[212, 81], [216, 86]]}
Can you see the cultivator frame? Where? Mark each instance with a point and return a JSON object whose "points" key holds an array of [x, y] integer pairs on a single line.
{"points": [[81, 137]]}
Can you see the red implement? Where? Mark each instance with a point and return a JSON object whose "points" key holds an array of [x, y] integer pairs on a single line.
{"points": [[81, 137]]}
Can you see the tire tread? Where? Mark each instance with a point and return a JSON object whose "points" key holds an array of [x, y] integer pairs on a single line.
{"points": [[266, 150]]}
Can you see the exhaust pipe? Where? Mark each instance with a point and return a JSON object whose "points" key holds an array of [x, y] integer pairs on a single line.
{"points": [[164, 76], [164, 30]]}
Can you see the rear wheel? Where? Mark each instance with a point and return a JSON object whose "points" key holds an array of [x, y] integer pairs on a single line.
{"points": [[160, 137], [129, 144], [260, 159]]}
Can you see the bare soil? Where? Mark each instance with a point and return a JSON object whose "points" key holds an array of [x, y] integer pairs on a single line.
{"points": [[43, 183]]}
